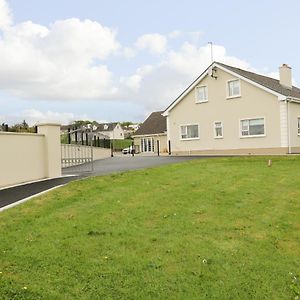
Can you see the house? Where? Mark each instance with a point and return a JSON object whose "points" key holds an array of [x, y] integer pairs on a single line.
{"points": [[227, 110], [130, 130], [113, 131], [80, 133], [152, 134]]}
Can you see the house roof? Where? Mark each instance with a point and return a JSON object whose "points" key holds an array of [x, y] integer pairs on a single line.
{"points": [[106, 126], [270, 84], [156, 123]]}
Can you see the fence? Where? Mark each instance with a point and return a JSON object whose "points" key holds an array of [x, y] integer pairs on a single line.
{"points": [[79, 136]]}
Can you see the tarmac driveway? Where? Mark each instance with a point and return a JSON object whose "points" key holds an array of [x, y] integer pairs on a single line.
{"points": [[13, 195], [125, 163]]}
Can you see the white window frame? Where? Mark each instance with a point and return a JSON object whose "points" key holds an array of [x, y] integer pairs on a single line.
{"points": [[227, 89], [255, 135], [298, 125], [196, 94], [189, 139], [215, 133]]}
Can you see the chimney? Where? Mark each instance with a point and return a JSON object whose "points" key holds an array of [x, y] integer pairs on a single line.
{"points": [[285, 76]]}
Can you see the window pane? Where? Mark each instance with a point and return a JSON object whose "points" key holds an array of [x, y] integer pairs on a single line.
{"points": [[189, 131], [256, 129], [193, 131], [183, 132], [298, 125], [202, 93], [219, 132], [245, 125], [256, 126], [234, 88], [256, 122], [253, 127]]}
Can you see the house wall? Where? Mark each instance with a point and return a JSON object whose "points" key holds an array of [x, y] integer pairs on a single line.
{"points": [[27, 157], [253, 103], [162, 142], [116, 134], [294, 114]]}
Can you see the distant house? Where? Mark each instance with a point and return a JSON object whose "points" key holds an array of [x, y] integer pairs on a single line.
{"points": [[113, 131], [227, 110], [106, 131], [130, 130], [152, 133]]}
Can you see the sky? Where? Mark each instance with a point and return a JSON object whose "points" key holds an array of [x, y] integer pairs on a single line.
{"points": [[64, 60]]}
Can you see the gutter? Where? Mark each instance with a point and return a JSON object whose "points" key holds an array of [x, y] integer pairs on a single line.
{"points": [[149, 134]]}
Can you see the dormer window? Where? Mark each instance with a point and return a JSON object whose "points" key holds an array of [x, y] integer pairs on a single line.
{"points": [[105, 127], [201, 94], [233, 88]]}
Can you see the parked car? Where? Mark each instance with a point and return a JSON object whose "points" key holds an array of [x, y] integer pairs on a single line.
{"points": [[128, 150]]}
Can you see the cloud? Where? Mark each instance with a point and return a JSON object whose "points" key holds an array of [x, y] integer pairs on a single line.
{"points": [[175, 34], [70, 60], [128, 52], [163, 82], [34, 116], [154, 42], [5, 15], [65, 61]]}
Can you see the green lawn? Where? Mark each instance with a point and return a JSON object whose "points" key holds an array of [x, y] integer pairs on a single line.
{"points": [[224, 228], [121, 144]]}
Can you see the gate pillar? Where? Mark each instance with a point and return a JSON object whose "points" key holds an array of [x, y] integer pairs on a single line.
{"points": [[52, 148]]}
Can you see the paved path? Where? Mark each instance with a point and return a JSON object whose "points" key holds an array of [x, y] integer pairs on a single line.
{"points": [[101, 167]]}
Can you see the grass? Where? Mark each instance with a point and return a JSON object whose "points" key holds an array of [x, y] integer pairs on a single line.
{"points": [[121, 144], [218, 229]]}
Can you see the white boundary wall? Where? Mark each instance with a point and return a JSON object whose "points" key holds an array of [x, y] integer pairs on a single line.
{"points": [[27, 157]]}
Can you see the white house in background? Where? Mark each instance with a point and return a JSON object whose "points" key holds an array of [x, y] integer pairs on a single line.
{"points": [[113, 131], [227, 110]]}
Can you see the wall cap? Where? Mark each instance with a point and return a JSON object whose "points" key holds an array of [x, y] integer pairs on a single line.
{"points": [[49, 124], [21, 133]]}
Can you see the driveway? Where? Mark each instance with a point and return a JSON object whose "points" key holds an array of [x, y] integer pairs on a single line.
{"points": [[125, 163], [14, 195]]}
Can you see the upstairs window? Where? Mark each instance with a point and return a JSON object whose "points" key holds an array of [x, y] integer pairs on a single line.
{"points": [[298, 126], [234, 88], [189, 132], [201, 94], [253, 127]]}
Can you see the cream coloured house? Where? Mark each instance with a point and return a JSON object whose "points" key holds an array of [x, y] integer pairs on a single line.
{"points": [[227, 110]]}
